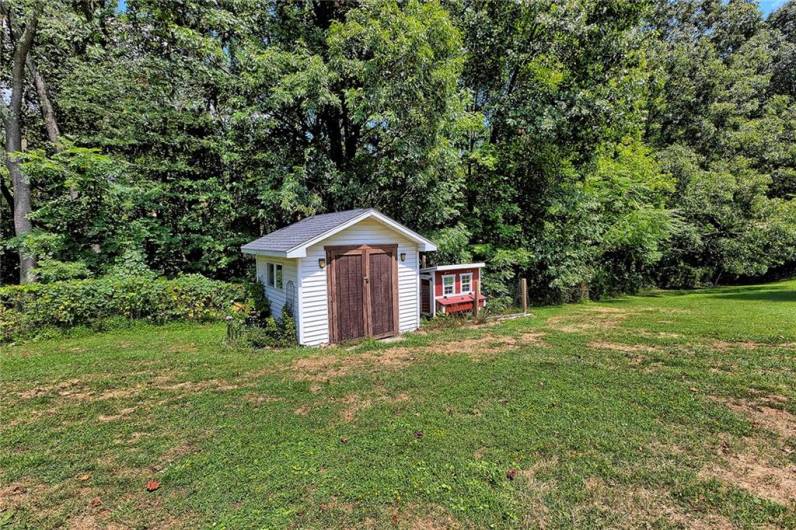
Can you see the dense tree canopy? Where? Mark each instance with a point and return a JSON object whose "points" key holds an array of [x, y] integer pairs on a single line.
{"points": [[594, 146]]}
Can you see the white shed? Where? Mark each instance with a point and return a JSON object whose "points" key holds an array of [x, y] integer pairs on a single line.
{"points": [[345, 275]]}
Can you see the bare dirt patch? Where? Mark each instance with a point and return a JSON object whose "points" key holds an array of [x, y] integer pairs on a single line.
{"points": [[593, 319], [76, 389], [423, 518], [302, 410], [176, 453], [532, 491], [321, 368], [768, 413], [259, 399], [69, 388], [121, 414], [762, 466], [93, 522], [355, 403], [646, 507], [479, 348], [200, 386], [626, 348], [17, 494], [324, 367], [723, 346], [659, 334], [121, 393], [757, 473], [335, 505]]}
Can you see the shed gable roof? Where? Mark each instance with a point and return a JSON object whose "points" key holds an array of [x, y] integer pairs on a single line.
{"points": [[292, 241]]}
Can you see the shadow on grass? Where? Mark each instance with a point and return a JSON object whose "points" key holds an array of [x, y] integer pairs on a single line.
{"points": [[775, 291], [765, 295]]}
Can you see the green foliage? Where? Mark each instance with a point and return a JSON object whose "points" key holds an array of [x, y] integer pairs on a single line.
{"points": [[453, 244], [269, 332], [64, 304], [591, 147], [727, 225], [261, 306], [287, 326], [131, 264], [50, 270]]}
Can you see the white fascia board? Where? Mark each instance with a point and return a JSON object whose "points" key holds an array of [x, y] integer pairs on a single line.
{"points": [[424, 245], [456, 267], [271, 253]]}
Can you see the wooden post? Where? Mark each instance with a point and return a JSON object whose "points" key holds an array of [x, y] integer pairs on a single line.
{"points": [[477, 298], [524, 294], [230, 330]]}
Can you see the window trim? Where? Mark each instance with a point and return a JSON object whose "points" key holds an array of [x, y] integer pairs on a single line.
{"points": [[280, 284], [453, 287], [461, 283], [270, 269]]}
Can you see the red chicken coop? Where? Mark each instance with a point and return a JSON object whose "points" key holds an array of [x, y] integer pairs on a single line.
{"points": [[450, 289]]}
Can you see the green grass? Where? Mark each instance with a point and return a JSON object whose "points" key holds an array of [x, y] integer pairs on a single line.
{"points": [[668, 410]]}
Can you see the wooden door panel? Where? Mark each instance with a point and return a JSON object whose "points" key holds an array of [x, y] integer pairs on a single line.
{"points": [[380, 283], [350, 296]]}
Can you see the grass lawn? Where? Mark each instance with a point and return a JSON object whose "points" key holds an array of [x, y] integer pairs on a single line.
{"points": [[670, 410]]}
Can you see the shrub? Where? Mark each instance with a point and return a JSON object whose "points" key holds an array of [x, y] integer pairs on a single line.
{"points": [[265, 333], [261, 309], [50, 270], [28, 308], [287, 326]]}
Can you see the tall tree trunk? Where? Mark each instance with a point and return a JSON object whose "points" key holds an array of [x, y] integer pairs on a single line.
{"points": [[13, 123], [47, 112]]}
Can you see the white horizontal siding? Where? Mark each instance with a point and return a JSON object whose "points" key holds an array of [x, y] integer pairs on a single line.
{"points": [[314, 303], [277, 296]]}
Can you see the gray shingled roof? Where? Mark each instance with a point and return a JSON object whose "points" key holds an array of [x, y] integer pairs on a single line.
{"points": [[294, 235]]}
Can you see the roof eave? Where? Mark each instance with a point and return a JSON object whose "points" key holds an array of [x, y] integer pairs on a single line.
{"points": [[263, 252], [454, 267]]}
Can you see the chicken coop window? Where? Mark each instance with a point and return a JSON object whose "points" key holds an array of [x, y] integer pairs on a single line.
{"points": [[448, 284]]}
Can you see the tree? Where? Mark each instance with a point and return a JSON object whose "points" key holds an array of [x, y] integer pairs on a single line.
{"points": [[21, 34]]}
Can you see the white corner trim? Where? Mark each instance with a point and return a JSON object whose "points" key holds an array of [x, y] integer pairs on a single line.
{"points": [[299, 303]]}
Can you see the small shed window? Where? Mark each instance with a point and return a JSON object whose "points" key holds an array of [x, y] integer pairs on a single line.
{"points": [[278, 276], [467, 282], [448, 284], [269, 274]]}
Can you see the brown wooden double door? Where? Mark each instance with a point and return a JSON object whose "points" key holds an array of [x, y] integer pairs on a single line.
{"points": [[363, 291]]}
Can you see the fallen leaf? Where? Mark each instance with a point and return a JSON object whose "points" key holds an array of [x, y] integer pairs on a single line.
{"points": [[152, 485], [418, 434], [343, 440], [511, 473], [84, 477], [95, 502]]}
